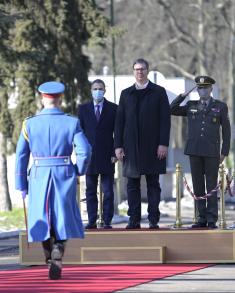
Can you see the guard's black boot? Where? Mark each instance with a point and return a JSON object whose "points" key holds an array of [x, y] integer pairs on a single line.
{"points": [[47, 247], [56, 261]]}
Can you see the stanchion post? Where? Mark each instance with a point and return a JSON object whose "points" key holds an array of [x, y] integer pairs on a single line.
{"points": [[222, 173], [178, 222], [100, 220]]}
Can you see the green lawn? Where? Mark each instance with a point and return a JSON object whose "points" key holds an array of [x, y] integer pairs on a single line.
{"points": [[12, 220]]}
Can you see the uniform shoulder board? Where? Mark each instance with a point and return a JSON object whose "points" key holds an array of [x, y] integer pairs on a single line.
{"points": [[70, 115], [219, 102], [29, 117]]}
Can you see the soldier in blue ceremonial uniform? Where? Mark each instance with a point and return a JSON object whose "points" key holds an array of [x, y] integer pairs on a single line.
{"points": [[49, 137], [206, 118], [97, 120]]}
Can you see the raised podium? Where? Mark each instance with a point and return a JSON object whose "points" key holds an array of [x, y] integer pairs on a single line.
{"points": [[120, 246]]}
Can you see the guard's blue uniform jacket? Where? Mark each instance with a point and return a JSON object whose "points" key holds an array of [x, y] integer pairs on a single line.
{"points": [[50, 137]]}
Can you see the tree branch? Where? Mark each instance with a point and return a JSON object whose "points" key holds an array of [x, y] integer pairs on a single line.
{"points": [[185, 35], [178, 68]]}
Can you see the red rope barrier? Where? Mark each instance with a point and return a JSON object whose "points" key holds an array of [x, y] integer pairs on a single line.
{"points": [[228, 188], [211, 193]]}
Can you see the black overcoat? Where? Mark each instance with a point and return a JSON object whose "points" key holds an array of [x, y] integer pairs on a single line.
{"points": [[140, 132], [100, 136]]}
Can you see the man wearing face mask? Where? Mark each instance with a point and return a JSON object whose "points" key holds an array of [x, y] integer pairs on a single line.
{"points": [[206, 118], [97, 120]]}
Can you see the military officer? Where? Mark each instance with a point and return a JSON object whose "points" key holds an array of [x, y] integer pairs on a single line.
{"points": [[50, 136], [206, 117]]}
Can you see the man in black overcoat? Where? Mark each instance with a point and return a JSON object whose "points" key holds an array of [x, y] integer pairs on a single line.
{"points": [[97, 120], [207, 118], [141, 141]]}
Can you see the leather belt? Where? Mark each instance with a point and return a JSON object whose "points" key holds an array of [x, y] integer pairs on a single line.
{"points": [[51, 161]]}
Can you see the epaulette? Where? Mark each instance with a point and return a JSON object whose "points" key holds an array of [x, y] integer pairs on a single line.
{"points": [[29, 117], [70, 115], [218, 101]]}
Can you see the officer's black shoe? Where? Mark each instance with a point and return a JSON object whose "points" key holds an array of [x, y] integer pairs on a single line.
{"points": [[153, 225], [212, 225], [133, 225], [199, 225], [107, 226], [91, 226]]}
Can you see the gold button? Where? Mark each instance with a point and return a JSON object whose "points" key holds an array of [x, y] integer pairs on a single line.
{"points": [[65, 160]]}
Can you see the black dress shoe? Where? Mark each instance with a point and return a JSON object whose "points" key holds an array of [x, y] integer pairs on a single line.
{"points": [[199, 225], [133, 225], [153, 225], [91, 226], [212, 225], [107, 226]]}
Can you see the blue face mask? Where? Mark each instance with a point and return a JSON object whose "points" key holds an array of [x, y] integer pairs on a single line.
{"points": [[97, 95], [204, 93]]}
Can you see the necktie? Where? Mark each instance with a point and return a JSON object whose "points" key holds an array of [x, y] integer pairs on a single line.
{"points": [[97, 112], [204, 106]]}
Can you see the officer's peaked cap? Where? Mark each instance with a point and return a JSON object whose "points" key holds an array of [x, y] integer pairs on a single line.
{"points": [[203, 80], [51, 88]]}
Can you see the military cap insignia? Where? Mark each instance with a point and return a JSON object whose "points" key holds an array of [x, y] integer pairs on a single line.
{"points": [[204, 80]]}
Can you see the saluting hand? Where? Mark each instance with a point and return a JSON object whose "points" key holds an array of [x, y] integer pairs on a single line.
{"points": [[162, 152], [119, 152], [185, 94], [22, 193]]}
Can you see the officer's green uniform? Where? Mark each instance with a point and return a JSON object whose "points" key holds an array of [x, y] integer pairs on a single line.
{"points": [[204, 147]]}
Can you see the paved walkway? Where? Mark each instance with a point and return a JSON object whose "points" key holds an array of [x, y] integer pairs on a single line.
{"points": [[216, 279]]}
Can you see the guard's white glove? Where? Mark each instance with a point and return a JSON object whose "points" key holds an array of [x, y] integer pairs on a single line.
{"points": [[23, 193]]}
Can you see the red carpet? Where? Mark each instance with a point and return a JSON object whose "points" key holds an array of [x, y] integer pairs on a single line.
{"points": [[88, 278]]}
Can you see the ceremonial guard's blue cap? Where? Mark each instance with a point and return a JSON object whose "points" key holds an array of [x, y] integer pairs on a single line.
{"points": [[203, 80], [51, 89]]}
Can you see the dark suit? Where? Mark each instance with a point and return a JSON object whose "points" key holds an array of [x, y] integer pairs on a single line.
{"points": [[100, 136], [204, 148]]}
